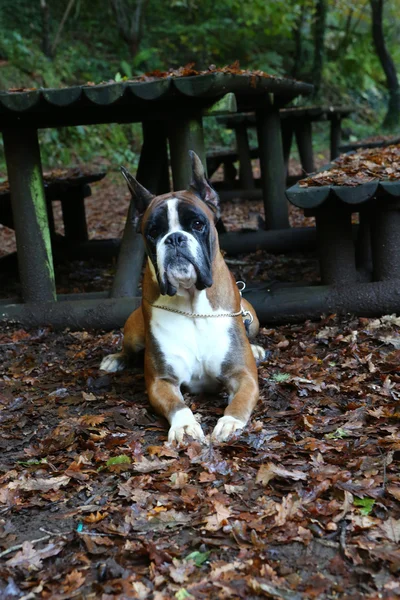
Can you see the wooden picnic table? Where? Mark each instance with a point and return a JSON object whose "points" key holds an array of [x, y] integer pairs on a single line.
{"points": [[295, 121], [360, 265], [170, 109]]}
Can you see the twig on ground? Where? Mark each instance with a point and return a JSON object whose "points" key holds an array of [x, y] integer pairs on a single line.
{"points": [[19, 546]]}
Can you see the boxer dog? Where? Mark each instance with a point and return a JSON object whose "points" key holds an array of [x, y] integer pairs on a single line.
{"points": [[191, 321]]}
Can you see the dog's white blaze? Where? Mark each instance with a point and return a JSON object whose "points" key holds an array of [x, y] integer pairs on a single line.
{"points": [[173, 217], [173, 227], [195, 349]]}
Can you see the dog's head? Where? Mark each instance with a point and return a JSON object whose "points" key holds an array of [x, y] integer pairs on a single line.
{"points": [[179, 231]]}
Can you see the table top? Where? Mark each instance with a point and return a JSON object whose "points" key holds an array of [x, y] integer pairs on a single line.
{"points": [[352, 178], [313, 113], [134, 101], [369, 144]]}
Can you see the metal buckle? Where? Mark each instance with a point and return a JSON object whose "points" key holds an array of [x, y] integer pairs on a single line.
{"points": [[242, 286], [245, 314]]}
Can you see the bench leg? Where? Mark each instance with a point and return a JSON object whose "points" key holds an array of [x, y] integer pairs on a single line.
{"points": [[385, 241], [229, 173], [74, 216], [336, 134], [272, 168], [35, 260], [153, 175], [363, 245], [336, 249], [303, 132], [287, 136], [245, 169]]}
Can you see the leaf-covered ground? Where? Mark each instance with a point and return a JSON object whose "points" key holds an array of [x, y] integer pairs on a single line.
{"points": [[303, 504]]}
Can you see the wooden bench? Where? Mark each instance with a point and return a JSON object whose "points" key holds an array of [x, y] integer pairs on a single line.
{"points": [[295, 121], [360, 274], [374, 142], [71, 187]]}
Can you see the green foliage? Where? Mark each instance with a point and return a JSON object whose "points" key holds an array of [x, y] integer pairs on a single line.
{"points": [[365, 505], [280, 377], [339, 434], [261, 35], [122, 459], [198, 557]]}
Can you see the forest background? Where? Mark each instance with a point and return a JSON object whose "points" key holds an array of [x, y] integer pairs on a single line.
{"points": [[330, 43]]}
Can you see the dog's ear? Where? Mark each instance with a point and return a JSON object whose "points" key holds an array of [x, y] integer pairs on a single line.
{"points": [[141, 196], [200, 186]]}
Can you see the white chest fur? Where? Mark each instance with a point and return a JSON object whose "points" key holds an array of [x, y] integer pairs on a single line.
{"points": [[194, 348]]}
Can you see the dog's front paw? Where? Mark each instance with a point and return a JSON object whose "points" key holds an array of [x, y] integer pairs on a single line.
{"points": [[258, 352], [184, 424], [225, 427], [113, 363]]}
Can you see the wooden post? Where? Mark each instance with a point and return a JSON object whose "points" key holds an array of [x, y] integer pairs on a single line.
{"points": [[287, 136], [185, 135], [31, 224], [74, 216], [385, 241], [335, 135], [303, 132], [272, 167], [336, 249], [245, 168], [153, 175], [363, 244]]}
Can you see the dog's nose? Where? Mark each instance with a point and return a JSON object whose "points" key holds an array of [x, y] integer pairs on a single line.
{"points": [[176, 239]]}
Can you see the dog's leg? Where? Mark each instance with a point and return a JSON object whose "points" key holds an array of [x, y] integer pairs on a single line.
{"points": [[258, 351], [243, 388], [166, 399], [134, 341], [255, 325]]}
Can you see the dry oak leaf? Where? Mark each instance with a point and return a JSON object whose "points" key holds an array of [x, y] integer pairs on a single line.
{"points": [[180, 570], [95, 517], [288, 508], [135, 494], [394, 490], [73, 581], [179, 480], [31, 558], [41, 484], [92, 420], [88, 397], [270, 470], [391, 529], [147, 466], [219, 518]]}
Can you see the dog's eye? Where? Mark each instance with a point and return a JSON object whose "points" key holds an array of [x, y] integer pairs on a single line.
{"points": [[197, 225], [152, 233]]}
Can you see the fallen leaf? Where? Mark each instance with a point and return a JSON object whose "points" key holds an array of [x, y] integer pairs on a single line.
{"points": [[40, 484], [269, 471], [179, 480], [391, 529], [73, 581], [219, 518], [286, 509], [31, 558], [95, 517], [147, 466]]}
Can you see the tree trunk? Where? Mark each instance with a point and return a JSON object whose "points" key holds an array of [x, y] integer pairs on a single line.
{"points": [[130, 22], [61, 27], [319, 44], [393, 114], [45, 28], [298, 41]]}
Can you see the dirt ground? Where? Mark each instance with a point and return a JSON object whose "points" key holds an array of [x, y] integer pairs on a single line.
{"points": [[303, 504]]}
